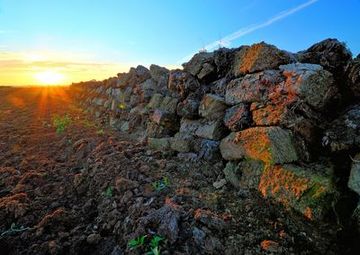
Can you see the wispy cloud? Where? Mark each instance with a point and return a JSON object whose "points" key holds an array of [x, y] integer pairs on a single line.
{"points": [[226, 41]]}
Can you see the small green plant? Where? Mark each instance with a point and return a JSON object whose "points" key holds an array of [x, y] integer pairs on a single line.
{"points": [[13, 230], [108, 192], [61, 122], [161, 184], [154, 245], [100, 132], [137, 242]]}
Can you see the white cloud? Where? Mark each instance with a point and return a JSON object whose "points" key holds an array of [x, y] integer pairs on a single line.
{"points": [[226, 41]]}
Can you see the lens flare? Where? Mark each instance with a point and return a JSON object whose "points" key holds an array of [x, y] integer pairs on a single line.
{"points": [[49, 77]]}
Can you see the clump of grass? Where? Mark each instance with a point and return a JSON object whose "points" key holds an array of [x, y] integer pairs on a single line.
{"points": [[161, 184], [61, 122]]}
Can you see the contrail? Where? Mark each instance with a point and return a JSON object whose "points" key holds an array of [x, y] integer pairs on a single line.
{"points": [[247, 30]]}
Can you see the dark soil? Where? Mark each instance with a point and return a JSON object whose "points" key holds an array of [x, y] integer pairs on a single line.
{"points": [[89, 190]]}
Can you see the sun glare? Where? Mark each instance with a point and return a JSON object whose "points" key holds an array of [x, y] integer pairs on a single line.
{"points": [[49, 77]]}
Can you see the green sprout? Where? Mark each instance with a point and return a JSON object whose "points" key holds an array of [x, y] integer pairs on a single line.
{"points": [[154, 245], [161, 184], [108, 192], [136, 242], [61, 123]]}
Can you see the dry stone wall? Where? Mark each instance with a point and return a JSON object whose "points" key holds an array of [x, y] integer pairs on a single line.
{"points": [[286, 124]]}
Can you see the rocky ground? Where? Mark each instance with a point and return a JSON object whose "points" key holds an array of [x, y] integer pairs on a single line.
{"points": [[89, 190]]}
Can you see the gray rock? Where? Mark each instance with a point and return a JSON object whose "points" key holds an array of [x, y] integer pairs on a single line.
{"points": [[209, 150], [189, 126], [188, 108], [182, 83], [253, 87], [147, 89], [157, 131], [213, 130], [161, 144], [207, 73], [165, 119], [232, 173], [159, 74], [330, 53], [196, 63], [343, 133], [167, 220], [238, 117], [155, 101], [212, 107], [93, 238], [219, 184], [354, 178], [353, 76], [169, 104], [182, 142]]}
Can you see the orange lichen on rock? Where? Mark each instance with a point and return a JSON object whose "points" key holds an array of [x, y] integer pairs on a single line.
{"points": [[269, 245], [282, 184], [270, 115], [16, 205], [51, 217], [256, 143], [306, 190], [250, 57]]}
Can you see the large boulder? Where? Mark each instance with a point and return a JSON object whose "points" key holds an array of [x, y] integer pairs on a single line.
{"points": [[245, 174], [164, 103], [209, 150], [181, 83], [308, 189], [212, 107], [189, 126], [259, 57], [196, 63], [344, 132], [159, 74], [213, 130], [330, 53], [182, 142], [202, 66], [253, 87], [354, 178], [310, 83], [272, 145], [238, 117], [165, 119]]}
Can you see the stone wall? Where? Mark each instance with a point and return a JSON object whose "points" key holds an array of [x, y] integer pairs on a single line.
{"points": [[287, 124]]}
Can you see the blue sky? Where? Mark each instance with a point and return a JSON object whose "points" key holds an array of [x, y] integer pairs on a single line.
{"points": [[126, 33]]}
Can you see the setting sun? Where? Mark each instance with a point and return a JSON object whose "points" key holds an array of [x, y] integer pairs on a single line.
{"points": [[49, 77]]}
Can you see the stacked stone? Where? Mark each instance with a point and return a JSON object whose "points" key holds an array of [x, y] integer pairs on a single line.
{"points": [[274, 116]]}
